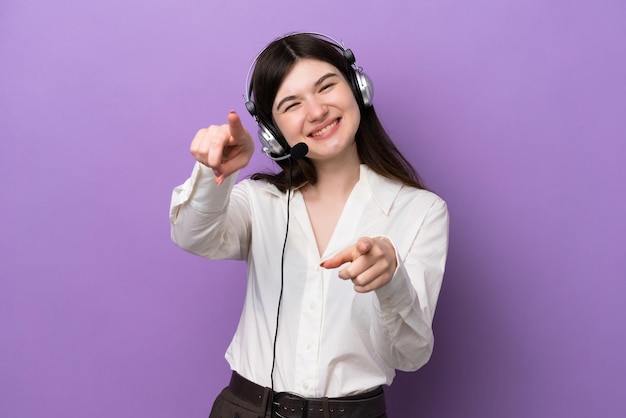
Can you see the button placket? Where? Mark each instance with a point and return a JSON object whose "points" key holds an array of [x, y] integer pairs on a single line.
{"points": [[309, 333]]}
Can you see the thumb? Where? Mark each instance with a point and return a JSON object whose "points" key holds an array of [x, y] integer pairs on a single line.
{"points": [[236, 127]]}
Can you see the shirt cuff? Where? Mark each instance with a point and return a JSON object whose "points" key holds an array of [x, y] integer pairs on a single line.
{"points": [[206, 196], [399, 295]]}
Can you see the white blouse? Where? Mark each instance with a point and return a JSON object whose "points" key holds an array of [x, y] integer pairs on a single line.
{"points": [[332, 341]]}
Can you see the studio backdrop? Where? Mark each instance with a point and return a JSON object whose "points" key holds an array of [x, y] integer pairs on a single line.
{"points": [[512, 111]]}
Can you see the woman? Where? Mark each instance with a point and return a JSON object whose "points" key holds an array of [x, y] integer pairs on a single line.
{"points": [[345, 248]]}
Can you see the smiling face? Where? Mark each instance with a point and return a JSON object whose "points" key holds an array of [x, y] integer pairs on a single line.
{"points": [[315, 105]]}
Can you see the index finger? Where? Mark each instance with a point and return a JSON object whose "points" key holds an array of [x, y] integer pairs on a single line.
{"points": [[362, 246], [340, 258], [236, 127]]}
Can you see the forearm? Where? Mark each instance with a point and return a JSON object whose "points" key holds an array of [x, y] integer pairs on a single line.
{"points": [[406, 305], [200, 216]]}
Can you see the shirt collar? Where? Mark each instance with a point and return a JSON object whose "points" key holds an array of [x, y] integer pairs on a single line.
{"points": [[382, 189]]}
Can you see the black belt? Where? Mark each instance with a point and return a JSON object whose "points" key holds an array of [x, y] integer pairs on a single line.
{"points": [[290, 405]]}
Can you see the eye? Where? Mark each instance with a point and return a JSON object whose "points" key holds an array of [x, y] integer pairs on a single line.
{"points": [[291, 106], [327, 86]]}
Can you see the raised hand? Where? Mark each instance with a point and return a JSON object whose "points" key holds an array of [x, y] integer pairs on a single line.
{"points": [[224, 148], [372, 263]]}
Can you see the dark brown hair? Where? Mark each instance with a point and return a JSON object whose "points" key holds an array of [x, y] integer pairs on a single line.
{"points": [[374, 146]]}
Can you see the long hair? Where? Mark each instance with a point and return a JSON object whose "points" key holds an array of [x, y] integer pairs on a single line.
{"points": [[374, 146]]}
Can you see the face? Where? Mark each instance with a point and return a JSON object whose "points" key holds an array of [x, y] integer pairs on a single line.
{"points": [[315, 105]]}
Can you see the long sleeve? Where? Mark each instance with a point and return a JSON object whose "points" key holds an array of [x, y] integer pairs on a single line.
{"points": [[405, 307], [209, 220]]}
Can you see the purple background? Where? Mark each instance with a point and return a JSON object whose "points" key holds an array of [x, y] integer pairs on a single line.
{"points": [[513, 111]]}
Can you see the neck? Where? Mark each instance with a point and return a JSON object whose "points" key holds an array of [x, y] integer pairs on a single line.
{"points": [[336, 178]]}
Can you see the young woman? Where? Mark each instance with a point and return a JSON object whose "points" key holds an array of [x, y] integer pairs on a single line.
{"points": [[345, 248]]}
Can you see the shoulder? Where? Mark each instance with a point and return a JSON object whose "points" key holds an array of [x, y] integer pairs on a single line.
{"points": [[392, 194], [420, 203], [422, 195]]}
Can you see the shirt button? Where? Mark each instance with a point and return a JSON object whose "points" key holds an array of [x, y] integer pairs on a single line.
{"points": [[313, 305], [305, 385]]}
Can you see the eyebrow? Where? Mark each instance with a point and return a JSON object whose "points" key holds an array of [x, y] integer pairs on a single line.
{"points": [[316, 84]]}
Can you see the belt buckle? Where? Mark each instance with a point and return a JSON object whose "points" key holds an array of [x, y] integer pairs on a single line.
{"points": [[276, 410]]}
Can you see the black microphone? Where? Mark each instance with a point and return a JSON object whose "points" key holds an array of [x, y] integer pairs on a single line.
{"points": [[298, 151]]}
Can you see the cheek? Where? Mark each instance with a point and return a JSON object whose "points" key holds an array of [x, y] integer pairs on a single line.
{"points": [[354, 109], [287, 128], [350, 103], [283, 129]]}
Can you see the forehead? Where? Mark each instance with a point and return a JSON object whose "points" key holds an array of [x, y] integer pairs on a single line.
{"points": [[304, 74]]}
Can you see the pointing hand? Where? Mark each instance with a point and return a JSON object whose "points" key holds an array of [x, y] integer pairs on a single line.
{"points": [[224, 148], [372, 263]]}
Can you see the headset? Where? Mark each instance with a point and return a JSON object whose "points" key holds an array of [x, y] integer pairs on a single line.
{"points": [[272, 142]]}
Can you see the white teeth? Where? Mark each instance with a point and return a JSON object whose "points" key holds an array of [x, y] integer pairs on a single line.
{"points": [[325, 129]]}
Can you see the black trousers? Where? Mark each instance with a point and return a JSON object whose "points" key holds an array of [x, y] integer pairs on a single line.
{"points": [[228, 405]]}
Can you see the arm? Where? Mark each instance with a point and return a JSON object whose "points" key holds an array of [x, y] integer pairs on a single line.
{"points": [[206, 218], [406, 305], [406, 289]]}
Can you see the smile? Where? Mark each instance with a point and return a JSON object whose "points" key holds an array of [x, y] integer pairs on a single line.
{"points": [[325, 129]]}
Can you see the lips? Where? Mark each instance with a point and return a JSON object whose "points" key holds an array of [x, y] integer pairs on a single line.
{"points": [[325, 129]]}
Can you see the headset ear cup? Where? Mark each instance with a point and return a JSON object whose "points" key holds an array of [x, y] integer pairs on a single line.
{"points": [[268, 140], [266, 134], [361, 82], [366, 88]]}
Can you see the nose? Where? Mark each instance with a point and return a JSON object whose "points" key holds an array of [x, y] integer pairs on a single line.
{"points": [[316, 110]]}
